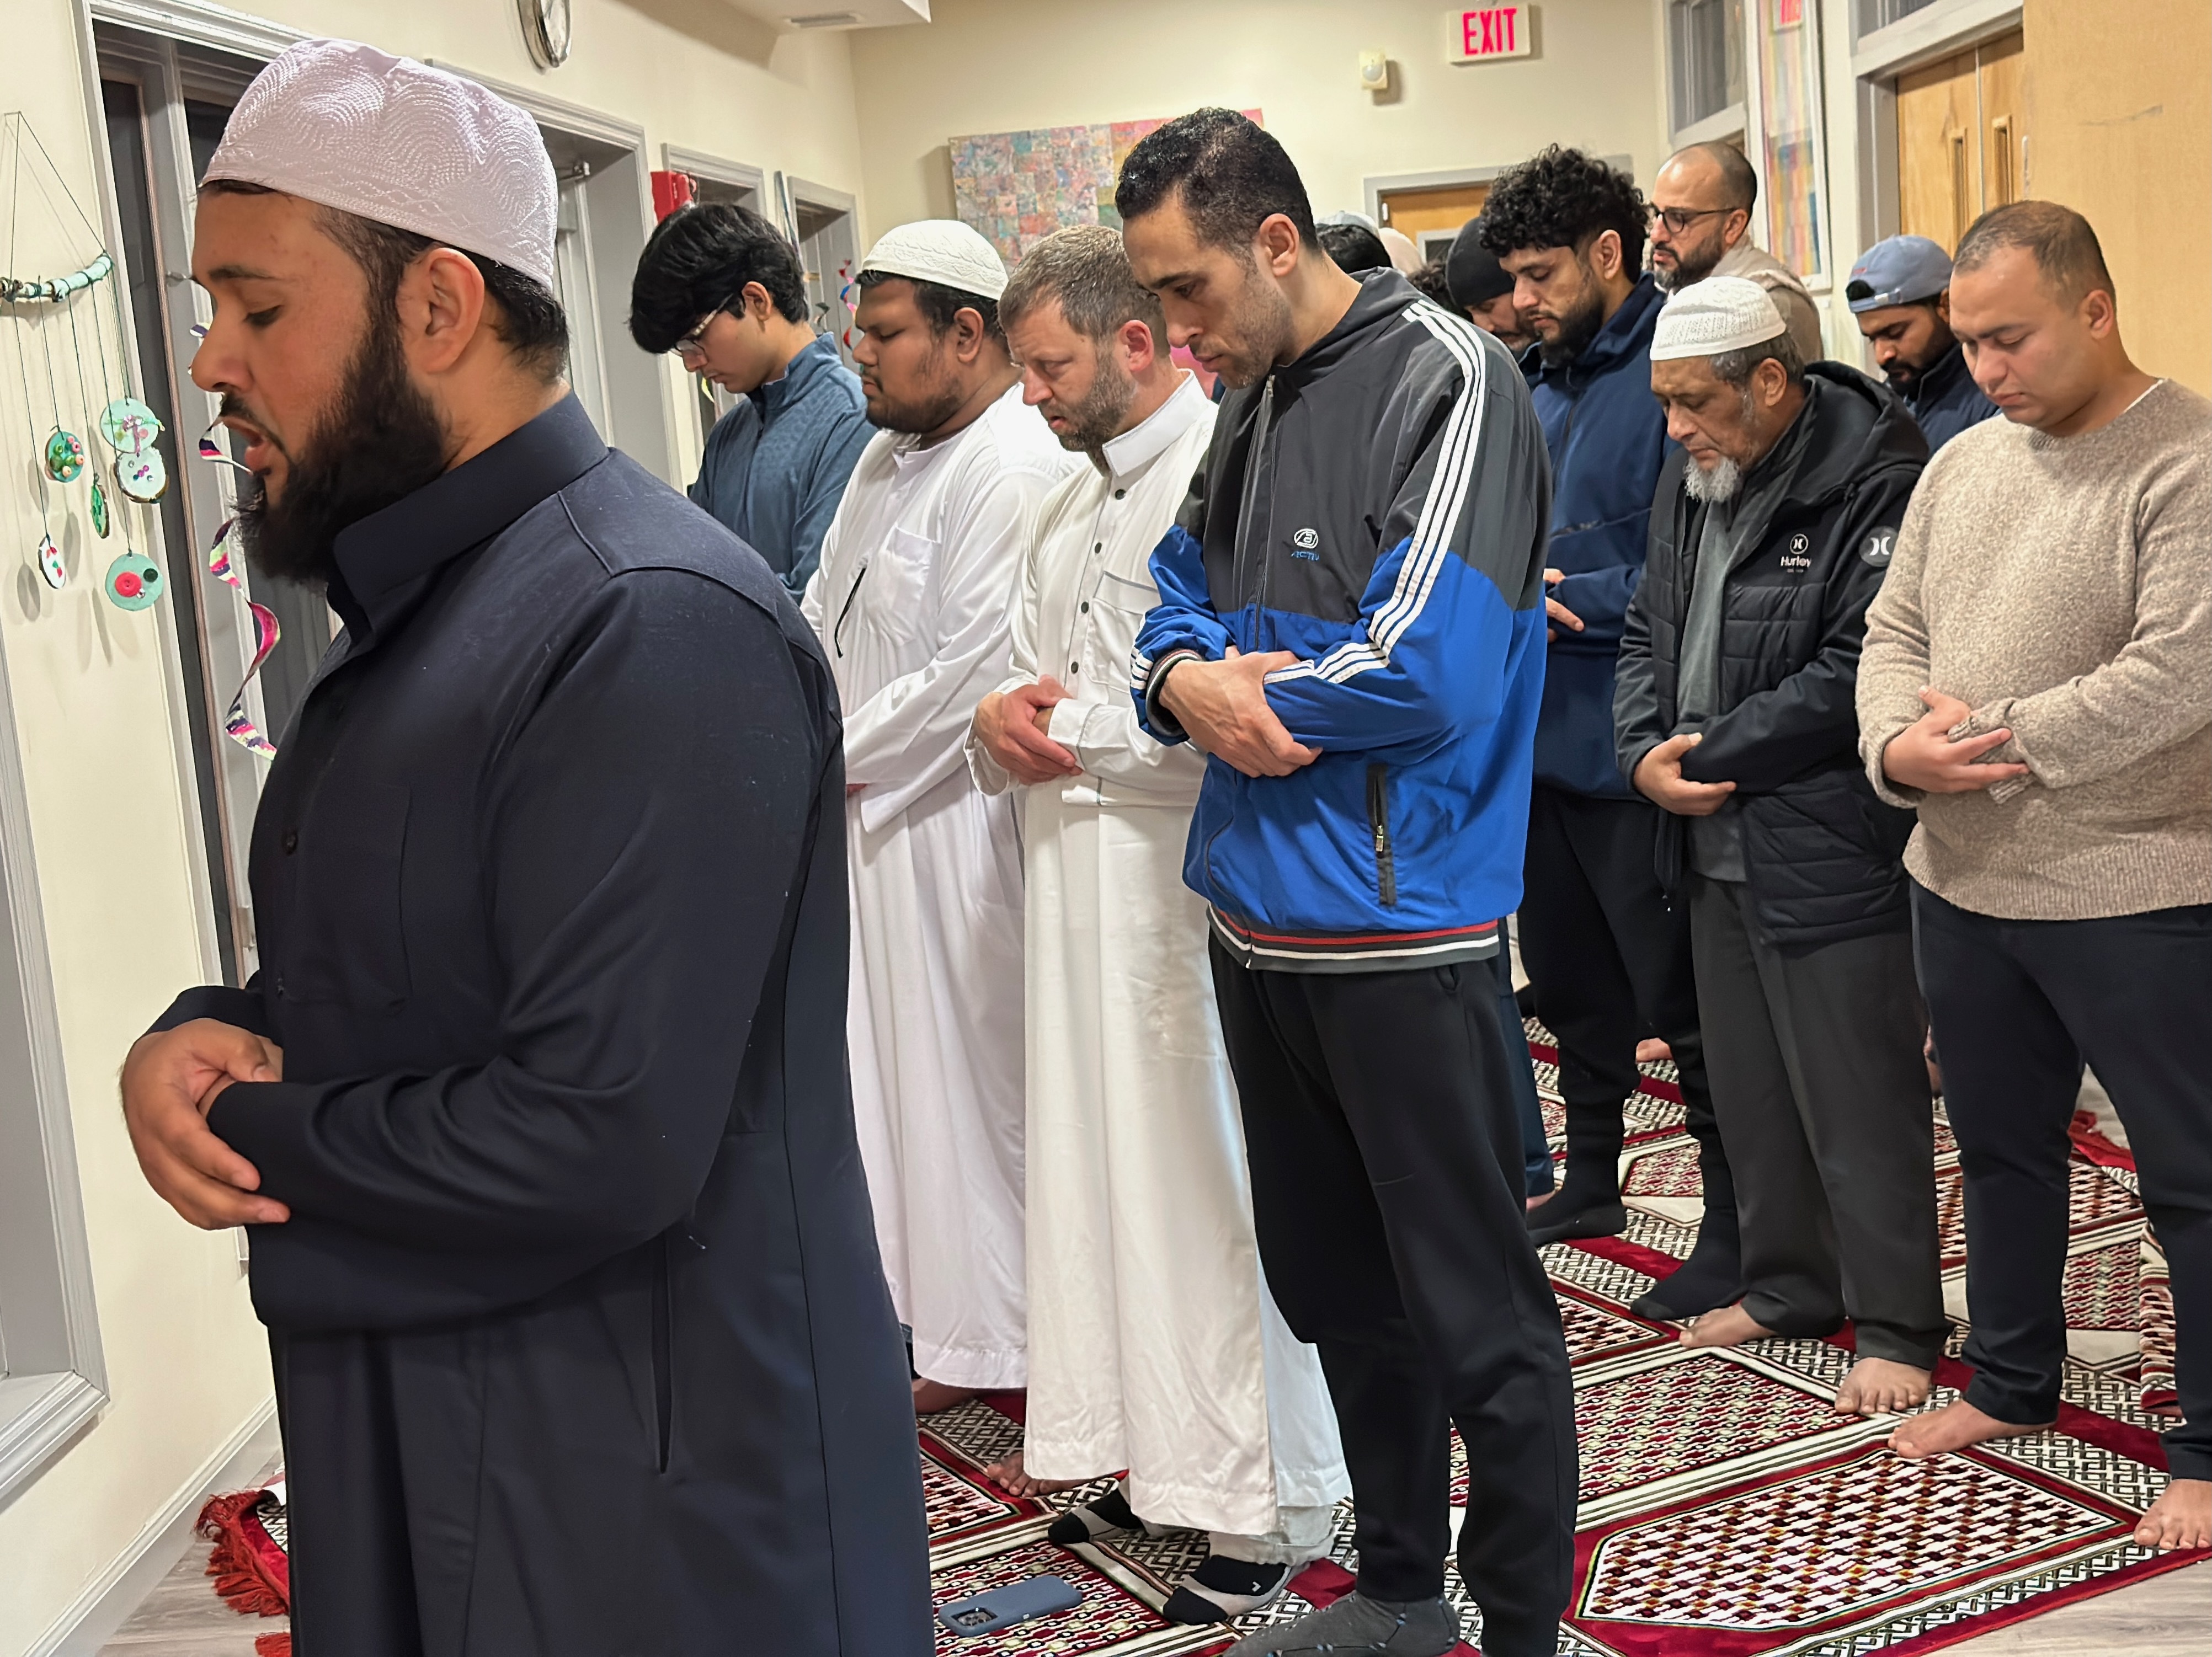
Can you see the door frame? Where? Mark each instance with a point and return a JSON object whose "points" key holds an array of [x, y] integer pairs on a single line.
{"points": [[1935, 32]]}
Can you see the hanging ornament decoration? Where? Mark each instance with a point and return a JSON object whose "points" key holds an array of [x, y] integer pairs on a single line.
{"points": [[99, 519], [134, 581], [64, 456], [129, 426], [143, 477], [237, 724], [51, 565]]}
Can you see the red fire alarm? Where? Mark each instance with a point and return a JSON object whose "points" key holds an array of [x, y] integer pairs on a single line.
{"points": [[671, 191]]}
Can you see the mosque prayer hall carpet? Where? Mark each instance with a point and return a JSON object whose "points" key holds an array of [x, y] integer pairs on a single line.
{"points": [[1724, 1511]]}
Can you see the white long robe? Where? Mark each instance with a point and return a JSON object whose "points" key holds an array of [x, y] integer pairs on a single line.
{"points": [[1154, 1343], [911, 602]]}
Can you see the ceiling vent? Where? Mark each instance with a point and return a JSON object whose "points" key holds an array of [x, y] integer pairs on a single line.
{"points": [[825, 20]]}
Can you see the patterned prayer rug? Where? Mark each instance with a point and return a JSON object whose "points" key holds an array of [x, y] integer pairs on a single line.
{"points": [[1724, 1511]]}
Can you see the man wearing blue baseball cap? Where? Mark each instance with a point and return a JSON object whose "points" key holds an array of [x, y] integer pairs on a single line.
{"points": [[1899, 292]]}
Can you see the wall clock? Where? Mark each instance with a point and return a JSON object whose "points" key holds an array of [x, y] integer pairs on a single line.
{"points": [[545, 30]]}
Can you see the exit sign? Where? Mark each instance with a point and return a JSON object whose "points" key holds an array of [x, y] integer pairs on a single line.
{"points": [[1483, 33]]}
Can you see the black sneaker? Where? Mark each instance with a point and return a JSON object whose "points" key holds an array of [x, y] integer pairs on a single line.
{"points": [[1356, 1626]]}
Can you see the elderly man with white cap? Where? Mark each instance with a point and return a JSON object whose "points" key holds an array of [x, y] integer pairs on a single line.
{"points": [[536, 1107], [1735, 714], [912, 603]]}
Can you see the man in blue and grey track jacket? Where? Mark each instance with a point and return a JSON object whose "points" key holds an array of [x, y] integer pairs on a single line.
{"points": [[1350, 625]]}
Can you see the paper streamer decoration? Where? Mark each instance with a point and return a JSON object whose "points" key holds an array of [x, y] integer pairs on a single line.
{"points": [[236, 723]]}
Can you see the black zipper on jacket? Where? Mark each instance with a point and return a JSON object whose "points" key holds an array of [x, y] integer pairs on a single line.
{"points": [[837, 633], [1249, 579], [1378, 819]]}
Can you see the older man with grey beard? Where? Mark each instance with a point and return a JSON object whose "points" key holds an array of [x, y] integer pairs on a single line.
{"points": [[1733, 714]]}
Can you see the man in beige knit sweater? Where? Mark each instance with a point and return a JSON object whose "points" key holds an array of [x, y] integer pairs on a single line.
{"points": [[2037, 680]]}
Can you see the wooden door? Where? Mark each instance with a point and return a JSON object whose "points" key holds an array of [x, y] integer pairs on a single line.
{"points": [[2001, 73], [1961, 138], [1440, 210]]}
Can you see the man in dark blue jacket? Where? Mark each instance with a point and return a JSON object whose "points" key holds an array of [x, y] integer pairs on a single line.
{"points": [[1348, 624], [1608, 956]]}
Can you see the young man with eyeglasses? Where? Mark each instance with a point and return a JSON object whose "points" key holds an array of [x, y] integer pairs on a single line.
{"points": [[720, 287], [1701, 203]]}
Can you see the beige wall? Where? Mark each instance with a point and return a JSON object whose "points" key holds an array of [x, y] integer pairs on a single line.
{"points": [[187, 1369], [2120, 128], [992, 65]]}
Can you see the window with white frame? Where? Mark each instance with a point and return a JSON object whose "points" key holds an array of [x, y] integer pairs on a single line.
{"points": [[1705, 52], [1880, 14]]}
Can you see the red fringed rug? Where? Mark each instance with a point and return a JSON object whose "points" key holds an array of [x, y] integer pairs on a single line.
{"points": [[248, 1562]]}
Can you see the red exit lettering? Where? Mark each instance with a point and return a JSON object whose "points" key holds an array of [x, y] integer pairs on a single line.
{"points": [[1493, 33]]}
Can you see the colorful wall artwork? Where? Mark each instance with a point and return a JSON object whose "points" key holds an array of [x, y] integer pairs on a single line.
{"points": [[1018, 187]]}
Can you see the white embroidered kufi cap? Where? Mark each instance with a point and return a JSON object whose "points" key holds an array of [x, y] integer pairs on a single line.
{"points": [[397, 141], [1721, 314], [942, 251]]}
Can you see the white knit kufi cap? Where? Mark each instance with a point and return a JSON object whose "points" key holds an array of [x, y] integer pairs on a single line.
{"points": [[942, 251], [397, 141], [1721, 314]]}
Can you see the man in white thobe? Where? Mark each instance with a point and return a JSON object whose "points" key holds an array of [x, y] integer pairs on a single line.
{"points": [[1154, 1344], [910, 600]]}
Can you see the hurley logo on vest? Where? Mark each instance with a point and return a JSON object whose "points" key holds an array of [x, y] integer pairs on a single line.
{"points": [[1306, 544], [1799, 553]]}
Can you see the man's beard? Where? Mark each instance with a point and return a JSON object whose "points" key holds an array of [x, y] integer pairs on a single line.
{"points": [[1685, 271], [380, 441], [940, 399], [1902, 376], [1261, 330], [1722, 483], [1098, 418], [1578, 325]]}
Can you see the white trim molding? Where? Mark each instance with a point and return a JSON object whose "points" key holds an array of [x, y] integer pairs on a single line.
{"points": [[700, 165], [200, 23], [1935, 31], [1733, 122]]}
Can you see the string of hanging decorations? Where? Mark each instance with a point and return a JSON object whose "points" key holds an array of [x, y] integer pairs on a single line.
{"points": [[132, 471]]}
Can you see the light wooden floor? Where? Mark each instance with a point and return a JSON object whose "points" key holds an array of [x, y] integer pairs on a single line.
{"points": [[2169, 1616]]}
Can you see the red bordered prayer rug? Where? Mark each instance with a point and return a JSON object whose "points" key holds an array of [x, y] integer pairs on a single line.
{"points": [[1724, 1511]]}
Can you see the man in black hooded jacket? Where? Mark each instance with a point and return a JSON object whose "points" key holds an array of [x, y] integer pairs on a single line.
{"points": [[1734, 713]]}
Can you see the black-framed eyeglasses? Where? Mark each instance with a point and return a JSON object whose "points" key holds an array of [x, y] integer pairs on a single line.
{"points": [[1680, 219], [694, 343]]}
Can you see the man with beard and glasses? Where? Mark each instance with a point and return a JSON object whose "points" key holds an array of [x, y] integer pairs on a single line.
{"points": [[1900, 293], [1701, 205], [1349, 627], [1153, 1344], [1734, 716], [1607, 954], [910, 602], [536, 1107]]}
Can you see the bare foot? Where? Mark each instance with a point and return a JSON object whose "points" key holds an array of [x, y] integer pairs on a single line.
{"points": [[1650, 1050], [1010, 1477], [931, 1396], [1953, 1427], [2182, 1518], [1878, 1386], [1731, 1326]]}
